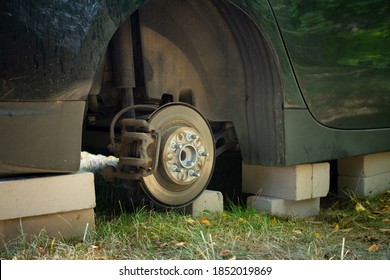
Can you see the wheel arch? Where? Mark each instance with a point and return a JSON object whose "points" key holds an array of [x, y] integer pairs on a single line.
{"points": [[245, 84]]}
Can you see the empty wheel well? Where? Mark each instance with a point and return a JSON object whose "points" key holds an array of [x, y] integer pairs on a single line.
{"points": [[215, 51]]}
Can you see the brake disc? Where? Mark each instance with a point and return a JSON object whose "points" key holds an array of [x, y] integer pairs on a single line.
{"points": [[187, 155]]}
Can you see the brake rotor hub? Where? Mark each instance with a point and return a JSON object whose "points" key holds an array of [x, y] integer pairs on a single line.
{"points": [[184, 155]]}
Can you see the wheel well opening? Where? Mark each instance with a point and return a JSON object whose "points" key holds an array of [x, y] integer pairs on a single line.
{"points": [[206, 53]]}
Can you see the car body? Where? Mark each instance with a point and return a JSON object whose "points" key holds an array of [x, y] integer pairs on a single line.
{"points": [[290, 82]]}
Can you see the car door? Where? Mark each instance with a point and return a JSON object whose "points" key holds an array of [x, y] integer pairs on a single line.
{"points": [[340, 52]]}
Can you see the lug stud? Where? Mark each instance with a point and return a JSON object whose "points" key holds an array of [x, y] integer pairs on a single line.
{"points": [[193, 173], [203, 153], [175, 168]]}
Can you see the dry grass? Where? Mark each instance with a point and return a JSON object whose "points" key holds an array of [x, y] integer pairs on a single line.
{"points": [[238, 233], [126, 231]]}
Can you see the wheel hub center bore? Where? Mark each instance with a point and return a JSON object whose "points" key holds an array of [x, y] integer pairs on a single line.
{"points": [[188, 156], [183, 155]]}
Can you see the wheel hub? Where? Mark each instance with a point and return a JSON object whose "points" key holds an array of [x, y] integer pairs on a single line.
{"points": [[184, 155]]}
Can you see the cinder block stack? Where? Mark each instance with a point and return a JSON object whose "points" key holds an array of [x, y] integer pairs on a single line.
{"points": [[364, 175], [60, 205], [293, 190]]}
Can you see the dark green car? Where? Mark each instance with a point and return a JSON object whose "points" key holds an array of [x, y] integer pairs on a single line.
{"points": [[168, 85]]}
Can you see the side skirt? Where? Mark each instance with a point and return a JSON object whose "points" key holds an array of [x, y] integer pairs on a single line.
{"points": [[40, 137], [307, 141]]}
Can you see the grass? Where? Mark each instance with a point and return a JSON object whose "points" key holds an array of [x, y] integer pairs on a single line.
{"points": [[353, 228], [237, 233]]}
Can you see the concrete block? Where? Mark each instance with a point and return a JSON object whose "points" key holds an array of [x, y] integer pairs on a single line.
{"points": [[364, 166], [208, 201], [301, 208], [364, 186], [320, 179], [26, 197], [66, 225], [298, 182]]}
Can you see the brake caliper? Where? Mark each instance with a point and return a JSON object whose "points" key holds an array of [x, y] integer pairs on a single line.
{"points": [[137, 150]]}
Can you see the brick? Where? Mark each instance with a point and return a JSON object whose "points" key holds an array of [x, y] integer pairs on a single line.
{"points": [[208, 201], [364, 186], [301, 208], [63, 225], [364, 166], [298, 182], [26, 197], [321, 179]]}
